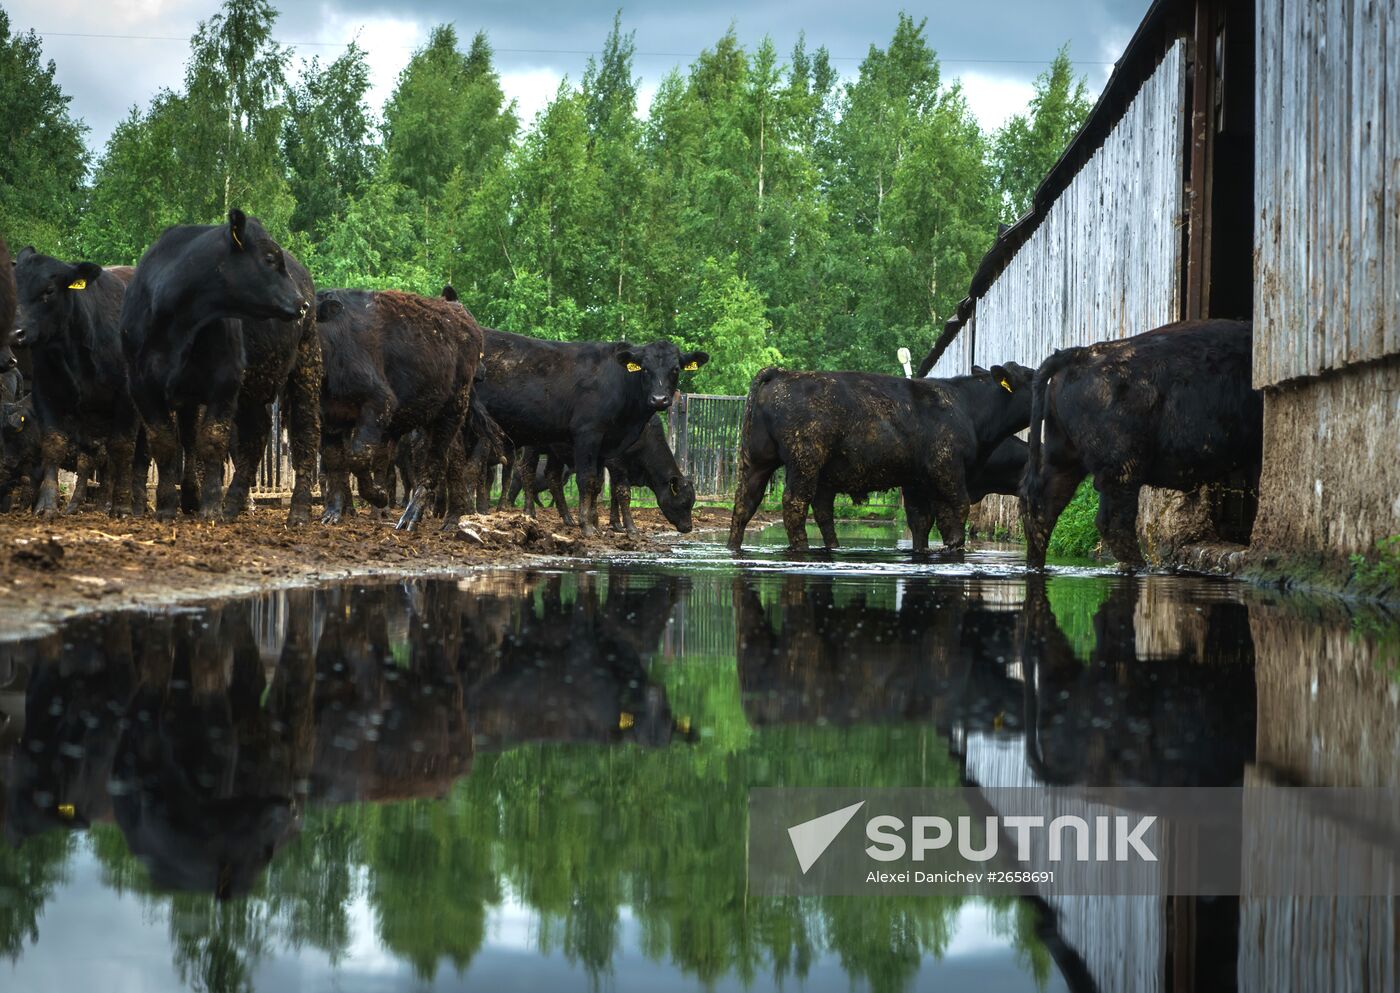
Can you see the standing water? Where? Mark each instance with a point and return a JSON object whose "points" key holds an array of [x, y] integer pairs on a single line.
{"points": [[537, 779]]}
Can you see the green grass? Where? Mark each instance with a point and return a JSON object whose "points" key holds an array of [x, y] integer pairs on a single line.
{"points": [[1382, 574], [1075, 536]]}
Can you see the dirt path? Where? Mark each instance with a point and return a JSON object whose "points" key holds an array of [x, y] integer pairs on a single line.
{"points": [[52, 570]]}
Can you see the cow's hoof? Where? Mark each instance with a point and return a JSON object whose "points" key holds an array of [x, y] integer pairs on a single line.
{"points": [[330, 516], [622, 530], [119, 512], [413, 510], [299, 514]]}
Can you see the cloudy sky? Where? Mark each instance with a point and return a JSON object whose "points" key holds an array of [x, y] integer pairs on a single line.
{"points": [[115, 54]]}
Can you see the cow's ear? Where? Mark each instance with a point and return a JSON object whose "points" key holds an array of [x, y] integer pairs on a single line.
{"points": [[237, 227], [329, 309], [449, 294], [628, 360], [690, 361], [25, 253], [977, 370], [82, 274], [1005, 378]]}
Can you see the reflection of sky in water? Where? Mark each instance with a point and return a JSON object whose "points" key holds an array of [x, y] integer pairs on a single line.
{"points": [[127, 945]]}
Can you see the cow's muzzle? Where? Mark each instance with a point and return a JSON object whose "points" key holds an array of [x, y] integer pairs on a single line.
{"points": [[660, 402]]}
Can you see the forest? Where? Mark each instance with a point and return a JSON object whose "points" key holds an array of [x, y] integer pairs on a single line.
{"points": [[765, 206]]}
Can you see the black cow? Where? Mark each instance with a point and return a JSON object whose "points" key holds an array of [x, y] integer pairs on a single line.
{"points": [[595, 397], [573, 670], [1170, 407], [857, 432], [9, 376], [69, 321], [22, 464], [395, 362], [217, 322], [1001, 472], [649, 461]]}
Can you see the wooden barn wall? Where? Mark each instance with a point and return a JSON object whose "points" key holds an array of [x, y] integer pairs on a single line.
{"points": [[1327, 186], [1106, 260], [957, 359]]}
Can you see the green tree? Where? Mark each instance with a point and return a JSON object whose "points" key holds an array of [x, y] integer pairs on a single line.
{"points": [[328, 139], [1029, 144], [729, 321], [43, 160], [911, 203], [448, 111], [235, 81]]}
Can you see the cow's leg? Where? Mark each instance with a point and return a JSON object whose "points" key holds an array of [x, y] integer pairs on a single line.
{"points": [[53, 448], [554, 479], [446, 427], [950, 514], [620, 502], [212, 442], [140, 470], [1041, 508], [799, 491], [336, 488], [163, 441], [1117, 522], [510, 480], [303, 399], [587, 472], [121, 454], [187, 420], [524, 480], [919, 513], [102, 465], [83, 471], [254, 423], [824, 510], [367, 450], [748, 496]]}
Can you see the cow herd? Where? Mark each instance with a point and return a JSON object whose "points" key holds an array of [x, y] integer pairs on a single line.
{"points": [[178, 360]]}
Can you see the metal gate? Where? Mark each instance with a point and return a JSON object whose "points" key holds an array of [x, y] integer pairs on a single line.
{"points": [[705, 434]]}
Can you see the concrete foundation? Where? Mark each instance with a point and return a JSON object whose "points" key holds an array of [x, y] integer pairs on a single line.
{"points": [[1331, 481]]}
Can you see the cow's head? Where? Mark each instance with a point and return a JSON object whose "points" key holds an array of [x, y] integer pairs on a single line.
{"points": [[255, 280], [658, 368], [9, 338], [15, 418], [48, 290], [676, 500], [1001, 402]]}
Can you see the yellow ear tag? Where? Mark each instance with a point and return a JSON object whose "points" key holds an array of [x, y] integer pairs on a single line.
{"points": [[633, 367], [692, 366], [1006, 385], [67, 811], [78, 284], [684, 725], [234, 235], [625, 721]]}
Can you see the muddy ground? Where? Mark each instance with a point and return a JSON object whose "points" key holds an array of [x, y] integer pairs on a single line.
{"points": [[53, 570]]}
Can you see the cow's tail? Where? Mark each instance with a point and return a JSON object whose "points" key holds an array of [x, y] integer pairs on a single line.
{"points": [[1040, 383], [761, 378], [483, 427]]}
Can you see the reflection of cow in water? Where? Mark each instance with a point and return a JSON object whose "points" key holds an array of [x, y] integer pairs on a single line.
{"points": [[1180, 714], [208, 776], [573, 671], [73, 707], [389, 708], [816, 656]]}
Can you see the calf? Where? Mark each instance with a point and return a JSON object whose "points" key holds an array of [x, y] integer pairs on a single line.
{"points": [[1170, 407], [217, 322], [856, 432], [649, 461], [68, 316], [594, 397], [395, 362]]}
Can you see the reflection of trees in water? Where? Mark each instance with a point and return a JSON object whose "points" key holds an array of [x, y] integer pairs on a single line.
{"points": [[577, 814]]}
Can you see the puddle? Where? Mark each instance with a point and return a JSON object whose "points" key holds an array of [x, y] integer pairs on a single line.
{"points": [[537, 778]]}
